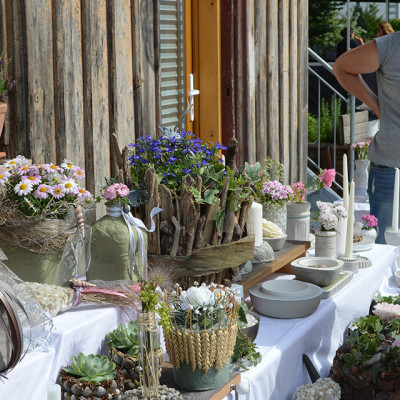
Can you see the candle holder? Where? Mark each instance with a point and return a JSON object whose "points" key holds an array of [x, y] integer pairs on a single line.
{"points": [[350, 263], [392, 237]]}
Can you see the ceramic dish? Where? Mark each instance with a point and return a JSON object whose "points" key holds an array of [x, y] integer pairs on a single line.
{"points": [[284, 287], [251, 331], [366, 244], [282, 306], [318, 276], [343, 279], [397, 277], [276, 243]]}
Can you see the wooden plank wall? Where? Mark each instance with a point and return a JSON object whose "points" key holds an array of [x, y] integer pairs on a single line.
{"points": [[277, 41], [85, 69]]}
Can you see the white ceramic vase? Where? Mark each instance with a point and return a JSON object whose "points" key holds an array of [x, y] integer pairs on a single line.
{"points": [[325, 244], [276, 214], [361, 180], [341, 231], [371, 232], [298, 221]]}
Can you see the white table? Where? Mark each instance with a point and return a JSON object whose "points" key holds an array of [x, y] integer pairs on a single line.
{"points": [[81, 329], [283, 342]]}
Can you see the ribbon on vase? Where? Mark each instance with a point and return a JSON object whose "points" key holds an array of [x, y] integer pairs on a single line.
{"points": [[138, 224]]}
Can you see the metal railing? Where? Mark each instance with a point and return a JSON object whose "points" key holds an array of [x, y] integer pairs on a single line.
{"points": [[350, 103]]}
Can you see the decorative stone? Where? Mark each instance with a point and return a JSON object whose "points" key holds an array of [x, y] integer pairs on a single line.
{"points": [[87, 392], [114, 385], [66, 386], [75, 389]]}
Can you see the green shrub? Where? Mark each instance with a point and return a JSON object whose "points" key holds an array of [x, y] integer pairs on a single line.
{"points": [[327, 117]]}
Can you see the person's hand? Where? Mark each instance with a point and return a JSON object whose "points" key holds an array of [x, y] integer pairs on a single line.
{"points": [[359, 40]]}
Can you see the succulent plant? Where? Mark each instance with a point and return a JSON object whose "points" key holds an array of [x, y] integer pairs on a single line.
{"points": [[125, 338], [91, 368]]}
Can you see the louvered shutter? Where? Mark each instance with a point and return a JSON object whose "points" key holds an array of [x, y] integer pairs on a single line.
{"points": [[172, 62]]}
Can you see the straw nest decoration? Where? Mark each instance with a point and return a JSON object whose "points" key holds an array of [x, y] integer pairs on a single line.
{"points": [[205, 344], [45, 235]]}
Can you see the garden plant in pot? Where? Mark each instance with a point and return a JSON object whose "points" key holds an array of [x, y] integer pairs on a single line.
{"points": [[123, 349], [93, 377], [7, 82], [298, 209], [39, 230], [203, 230], [202, 335], [367, 365], [361, 173]]}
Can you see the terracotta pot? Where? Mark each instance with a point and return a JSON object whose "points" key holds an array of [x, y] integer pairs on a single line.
{"points": [[3, 109]]}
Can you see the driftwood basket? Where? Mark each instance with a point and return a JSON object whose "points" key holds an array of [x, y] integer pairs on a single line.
{"points": [[203, 242], [356, 383]]}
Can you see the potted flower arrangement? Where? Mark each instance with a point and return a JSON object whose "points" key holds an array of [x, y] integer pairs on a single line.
{"points": [[91, 376], [370, 222], [202, 335], [298, 209], [38, 204], [366, 366], [7, 82], [205, 205], [325, 238], [119, 242], [361, 172]]}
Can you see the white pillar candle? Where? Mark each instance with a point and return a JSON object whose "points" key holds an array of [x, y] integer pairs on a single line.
{"points": [[345, 184], [395, 215], [350, 222], [256, 214], [54, 392]]}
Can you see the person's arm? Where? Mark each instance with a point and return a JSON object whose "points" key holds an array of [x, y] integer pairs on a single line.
{"points": [[348, 67]]}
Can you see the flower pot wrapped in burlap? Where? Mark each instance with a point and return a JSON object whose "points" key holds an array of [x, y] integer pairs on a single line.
{"points": [[202, 336]]}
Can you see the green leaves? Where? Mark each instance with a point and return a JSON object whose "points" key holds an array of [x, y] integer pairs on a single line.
{"points": [[91, 368]]}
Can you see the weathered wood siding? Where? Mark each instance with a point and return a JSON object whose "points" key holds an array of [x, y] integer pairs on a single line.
{"points": [[89, 68], [276, 84], [85, 69]]}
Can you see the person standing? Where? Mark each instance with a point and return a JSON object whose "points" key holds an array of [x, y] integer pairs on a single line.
{"points": [[381, 55], [355, 41]]}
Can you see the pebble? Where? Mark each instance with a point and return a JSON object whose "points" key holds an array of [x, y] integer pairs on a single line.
{"points": [[164, 392]]}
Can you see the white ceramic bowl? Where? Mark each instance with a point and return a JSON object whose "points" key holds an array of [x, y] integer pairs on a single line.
{"points": [[276, 243], [397, 277], [286, 305], [286, 288], [318, 276]]}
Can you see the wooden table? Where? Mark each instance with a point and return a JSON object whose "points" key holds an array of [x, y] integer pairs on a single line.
{"points": [[292, 250]]}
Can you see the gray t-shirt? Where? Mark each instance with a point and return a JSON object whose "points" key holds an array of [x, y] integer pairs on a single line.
{"points": [[385, 146]]}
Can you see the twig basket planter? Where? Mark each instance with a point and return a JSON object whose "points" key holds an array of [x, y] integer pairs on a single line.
{"points": [[107, 390]]}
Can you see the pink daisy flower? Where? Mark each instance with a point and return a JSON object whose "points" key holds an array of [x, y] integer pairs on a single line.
{"points": [[50, 168], [79, 173], [58, 191], [23, 170], [4, 174], [32, 179], [83, 194], [23, 188], [43, 191]]}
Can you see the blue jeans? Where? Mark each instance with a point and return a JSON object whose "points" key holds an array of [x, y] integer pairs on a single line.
{"points": [[380, 192]]}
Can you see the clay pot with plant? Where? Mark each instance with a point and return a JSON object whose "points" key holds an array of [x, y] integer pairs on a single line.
{"points": [[7, 82]]}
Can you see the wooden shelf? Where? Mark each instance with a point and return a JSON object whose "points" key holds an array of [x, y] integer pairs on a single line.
{"points": [[291, 251], [215, 394]]}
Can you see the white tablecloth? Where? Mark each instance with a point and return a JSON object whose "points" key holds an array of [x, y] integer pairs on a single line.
{"points": [[283, 342], [82, 329]]}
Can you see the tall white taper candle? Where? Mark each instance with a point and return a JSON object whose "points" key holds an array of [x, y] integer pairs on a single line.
{"points": [[350, 223], [395, 215], [345, 184]]}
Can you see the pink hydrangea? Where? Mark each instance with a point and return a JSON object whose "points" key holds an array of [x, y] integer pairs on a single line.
{"points": [[116, 191], [327, 176], [387, 311], [110, 194], [370, 221]]}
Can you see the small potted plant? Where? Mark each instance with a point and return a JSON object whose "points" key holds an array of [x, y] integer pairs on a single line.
{"points": [[91, 376], [361, 172], [202, 335], [370, 223], [123, 349], [38, 204]]}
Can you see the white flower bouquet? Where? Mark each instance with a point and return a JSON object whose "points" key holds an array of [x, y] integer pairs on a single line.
{"points": [[329, 215]]}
